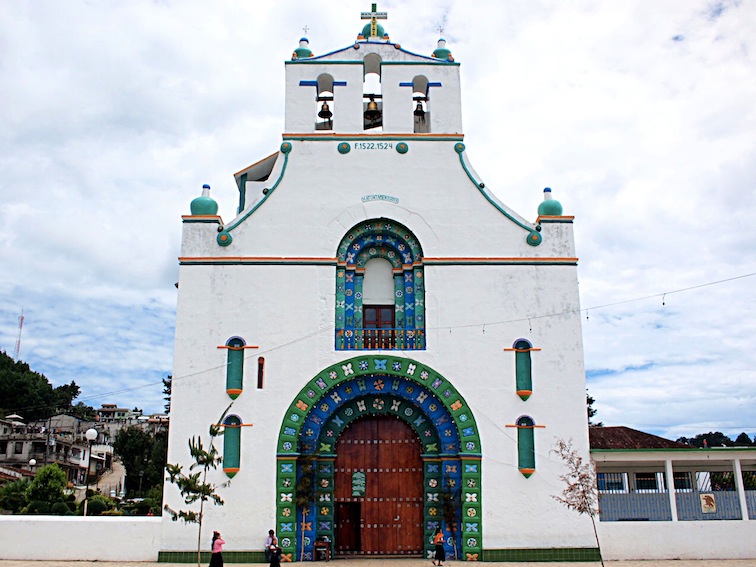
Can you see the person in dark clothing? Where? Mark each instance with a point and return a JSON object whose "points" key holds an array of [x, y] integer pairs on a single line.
{"points": [[275, 556], [438, 541]]}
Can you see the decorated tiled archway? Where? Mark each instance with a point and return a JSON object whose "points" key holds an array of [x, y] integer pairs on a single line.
{"points": [[380, 385]]}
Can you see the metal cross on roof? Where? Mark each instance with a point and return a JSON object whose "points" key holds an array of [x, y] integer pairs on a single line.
{"points": [[306, 29], [374, 15]]}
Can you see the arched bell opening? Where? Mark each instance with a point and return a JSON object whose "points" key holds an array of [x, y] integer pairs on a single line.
{"points": [[372, 105], [325, 103], [390, 390], [421, 101]]}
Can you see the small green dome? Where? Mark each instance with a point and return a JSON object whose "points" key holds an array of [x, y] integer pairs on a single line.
{"points": [[441, 52], [366, 31], [303, 51], [204, 204], [549, 207]]}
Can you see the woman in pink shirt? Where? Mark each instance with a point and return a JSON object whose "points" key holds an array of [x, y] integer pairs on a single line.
{"points": [[216, 558]]}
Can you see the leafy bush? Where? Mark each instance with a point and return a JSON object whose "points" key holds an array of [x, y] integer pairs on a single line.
{"points": [[97, 505], [48, 484], [13, 496], [37, 507], [59, 509]]}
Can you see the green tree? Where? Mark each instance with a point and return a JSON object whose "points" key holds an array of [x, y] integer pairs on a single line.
{"points": [[48, 485], [167, 384], [13, 495], [31, 395], [743, 440], [143, 454], [193, 485], [589, 400]]}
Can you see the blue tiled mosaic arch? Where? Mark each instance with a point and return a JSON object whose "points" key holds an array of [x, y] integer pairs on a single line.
{"points": [[387, 239], [380, 385]]}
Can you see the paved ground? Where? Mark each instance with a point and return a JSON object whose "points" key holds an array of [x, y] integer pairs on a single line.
{"points": [[395, 563]]}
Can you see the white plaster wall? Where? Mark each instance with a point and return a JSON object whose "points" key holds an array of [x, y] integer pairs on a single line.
{"points": [[321, 194], [275, 306], [733, 539], [56, 538]]}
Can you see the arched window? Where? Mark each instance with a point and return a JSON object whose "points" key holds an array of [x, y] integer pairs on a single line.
{"points": [[380, 289], [260, 372], [231, 445], [526, 446], [372, 105], [523, 375], [326, 103], [421, 108], [235, 367]]}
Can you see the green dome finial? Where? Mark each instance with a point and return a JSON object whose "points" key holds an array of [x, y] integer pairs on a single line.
{"points": [[441, 52], [373, 29], [204, 204], [550, 207], [303, 51]]}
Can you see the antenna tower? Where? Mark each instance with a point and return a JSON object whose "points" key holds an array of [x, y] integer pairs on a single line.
{"points": [[18, 341]]}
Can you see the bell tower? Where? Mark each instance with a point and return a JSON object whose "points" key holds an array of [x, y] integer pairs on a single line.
{"points": [[372, 86]]}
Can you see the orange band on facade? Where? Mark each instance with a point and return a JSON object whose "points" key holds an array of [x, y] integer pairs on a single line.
{"points": [[238, 347], [522, 349]]}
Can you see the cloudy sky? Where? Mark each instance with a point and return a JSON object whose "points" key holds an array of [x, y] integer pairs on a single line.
{"points": [[640, 115]]}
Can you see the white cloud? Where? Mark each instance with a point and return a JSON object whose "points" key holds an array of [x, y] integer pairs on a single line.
{"points": [[640, 117]]}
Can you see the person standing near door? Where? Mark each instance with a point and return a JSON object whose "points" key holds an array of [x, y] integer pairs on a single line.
{"points": [[269, 541], [438, 541]]}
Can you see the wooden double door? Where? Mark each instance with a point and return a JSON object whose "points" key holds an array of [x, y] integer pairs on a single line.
{"points": [[379, 489]]}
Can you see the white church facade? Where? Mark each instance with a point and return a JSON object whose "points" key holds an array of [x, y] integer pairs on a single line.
{"points": [[382, 324]]}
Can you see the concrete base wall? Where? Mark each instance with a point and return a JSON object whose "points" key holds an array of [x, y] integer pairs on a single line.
{"points": [[678, 540], [47, 538]]}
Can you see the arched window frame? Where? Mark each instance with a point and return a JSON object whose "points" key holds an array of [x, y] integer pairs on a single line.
{"points": [[526, 445], [380, 238], [231, 445], [235, 366]]}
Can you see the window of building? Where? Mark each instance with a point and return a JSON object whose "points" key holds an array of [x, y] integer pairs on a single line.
{"points": [[649, 482], [523, 371], [18, 449], [260, 372], [231, 445], [235, 367], [380, 288], [526, 445], [3, 447], [683, 482], [611, 482]]}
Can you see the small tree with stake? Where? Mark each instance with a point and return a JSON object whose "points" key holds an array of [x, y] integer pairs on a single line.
{"points": [[580, 494], [305, 492], [450, 504], [194, 486]]}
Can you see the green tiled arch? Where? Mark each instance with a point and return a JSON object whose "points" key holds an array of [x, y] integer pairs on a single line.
{"points": [[465, 464]]}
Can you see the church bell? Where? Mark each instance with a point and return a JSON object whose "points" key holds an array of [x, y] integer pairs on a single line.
{"points": [[325, 111], [419, 112], [372, 113]]}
